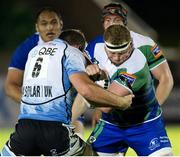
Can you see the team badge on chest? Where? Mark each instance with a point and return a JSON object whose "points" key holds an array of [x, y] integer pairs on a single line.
{"points": [[127, 78]]}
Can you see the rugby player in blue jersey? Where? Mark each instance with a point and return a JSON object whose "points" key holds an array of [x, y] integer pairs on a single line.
{"points": [[54, 72], [48, 25], [76, 38]]}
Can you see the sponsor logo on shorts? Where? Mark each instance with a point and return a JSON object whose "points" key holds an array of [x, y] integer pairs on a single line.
{"points": [[164, 139], [54, 152], [154, 144]]}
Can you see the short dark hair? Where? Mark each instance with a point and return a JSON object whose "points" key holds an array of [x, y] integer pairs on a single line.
{"points": [[50, 9], [117, 37], [74, 37], [115, 9]]}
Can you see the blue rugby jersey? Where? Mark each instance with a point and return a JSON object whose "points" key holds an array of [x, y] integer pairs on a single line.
{"points": [[47, 91]]}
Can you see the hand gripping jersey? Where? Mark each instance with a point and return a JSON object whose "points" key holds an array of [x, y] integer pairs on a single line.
{"points": [[134, 75], [47, 93]]}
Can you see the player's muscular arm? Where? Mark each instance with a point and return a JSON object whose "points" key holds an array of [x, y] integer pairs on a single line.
{"points": [[94, 93], [79, 107], [13, 84], [163, 74], [117, 89]]}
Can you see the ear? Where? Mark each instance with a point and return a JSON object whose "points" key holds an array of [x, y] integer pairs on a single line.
{"points": [[61, 23], [36, 27]]}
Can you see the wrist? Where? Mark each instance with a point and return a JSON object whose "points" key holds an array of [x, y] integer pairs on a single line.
{"points": [[121, 102]]}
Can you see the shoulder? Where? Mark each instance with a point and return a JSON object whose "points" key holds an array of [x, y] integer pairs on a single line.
{"points": [[141, 40], [19, 57], [72, 51], [28, 44], [31, 40], [96, 40], [132, 65], [93, 44], [67, 49]]}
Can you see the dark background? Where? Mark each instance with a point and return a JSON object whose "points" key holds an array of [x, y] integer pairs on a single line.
{"points": [[17, 18], [163, 16], [17, 23]]}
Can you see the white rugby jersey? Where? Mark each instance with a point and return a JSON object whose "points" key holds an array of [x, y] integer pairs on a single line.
{"points": [[96, 51], [134, 75], [47, 93]]}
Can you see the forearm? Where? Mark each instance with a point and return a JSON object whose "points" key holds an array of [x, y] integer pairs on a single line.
{"points": [[96, 95], [79, 107], [103, 98], [14, 92]]}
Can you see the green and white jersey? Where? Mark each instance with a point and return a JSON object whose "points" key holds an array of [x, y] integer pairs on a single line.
{"points": [[146, 57], [134, 75], [152, 52], [150, 49]]}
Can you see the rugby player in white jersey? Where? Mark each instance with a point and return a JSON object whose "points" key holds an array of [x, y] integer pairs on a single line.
{"points": [[141, 126], [115, 13]]}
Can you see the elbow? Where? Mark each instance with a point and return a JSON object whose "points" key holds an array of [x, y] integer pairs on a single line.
{"points": [[170, 81], [12, 90], [7, 89]]}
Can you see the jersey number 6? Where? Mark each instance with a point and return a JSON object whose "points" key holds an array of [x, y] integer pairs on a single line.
{"points": [[37, 67]]}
